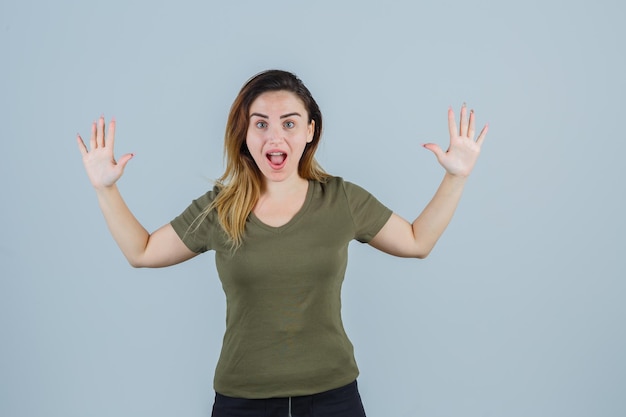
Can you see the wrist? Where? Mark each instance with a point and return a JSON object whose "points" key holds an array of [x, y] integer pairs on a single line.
{"points": [[456, 178], [104, 190]]}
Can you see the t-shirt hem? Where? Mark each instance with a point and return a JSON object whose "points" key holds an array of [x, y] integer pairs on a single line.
{"points": [[259, 394]]}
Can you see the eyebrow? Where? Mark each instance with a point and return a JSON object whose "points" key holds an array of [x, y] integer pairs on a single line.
{"points": [[263, 116]]}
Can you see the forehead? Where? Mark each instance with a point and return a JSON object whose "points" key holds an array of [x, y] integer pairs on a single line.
{"points": [[281, 102]]}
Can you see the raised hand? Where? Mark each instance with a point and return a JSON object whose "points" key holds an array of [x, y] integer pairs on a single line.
{"points": [[463, 151], [102, 168]]}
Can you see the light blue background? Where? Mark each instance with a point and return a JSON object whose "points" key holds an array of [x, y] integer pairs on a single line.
{"points": [[519, 311]]}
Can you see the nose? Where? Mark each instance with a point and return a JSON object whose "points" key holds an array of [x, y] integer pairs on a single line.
{"points": [[275, 134]]}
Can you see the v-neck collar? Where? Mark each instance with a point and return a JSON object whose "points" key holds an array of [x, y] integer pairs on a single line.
{"points": [[278, 229]]}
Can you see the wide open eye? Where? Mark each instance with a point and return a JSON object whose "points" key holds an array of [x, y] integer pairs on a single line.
{"points": [[261, 125]]}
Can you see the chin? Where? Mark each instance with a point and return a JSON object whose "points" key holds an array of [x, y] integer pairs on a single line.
{"points": [[279, 176]]}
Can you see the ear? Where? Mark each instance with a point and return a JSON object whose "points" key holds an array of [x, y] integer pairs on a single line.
{"points": [[310, 132]]}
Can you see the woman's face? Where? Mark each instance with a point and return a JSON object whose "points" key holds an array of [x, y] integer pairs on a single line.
{"points": [[278, 132]]}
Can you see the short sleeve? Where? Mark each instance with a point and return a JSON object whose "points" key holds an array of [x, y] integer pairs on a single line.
{"points": [[195, 229], [368, 214]]}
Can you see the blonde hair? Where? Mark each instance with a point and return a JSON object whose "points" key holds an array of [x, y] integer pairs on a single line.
{"points": [[242, 182]]}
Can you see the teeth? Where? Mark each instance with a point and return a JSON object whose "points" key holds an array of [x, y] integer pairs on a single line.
{"points": [[276, 153]]}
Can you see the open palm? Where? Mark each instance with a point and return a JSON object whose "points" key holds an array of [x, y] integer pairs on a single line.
{"points": [[102, 168], [463, 151]]}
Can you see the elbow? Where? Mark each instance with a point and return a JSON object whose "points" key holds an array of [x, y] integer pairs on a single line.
{"points": [[137, 258], [136, 262], [421, 255], [413, 253], [422, 252]]}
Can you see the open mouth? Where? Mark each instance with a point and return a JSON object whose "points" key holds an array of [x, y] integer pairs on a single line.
{"points": [[276, 159]]}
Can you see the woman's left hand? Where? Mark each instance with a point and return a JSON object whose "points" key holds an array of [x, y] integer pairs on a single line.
{"points": [[461, 156]]}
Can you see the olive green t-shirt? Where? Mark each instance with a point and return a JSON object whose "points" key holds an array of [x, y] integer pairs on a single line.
{"points": [[284, 334]]}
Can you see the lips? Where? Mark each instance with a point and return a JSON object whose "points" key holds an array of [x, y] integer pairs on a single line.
{"points": [[276, 159]]}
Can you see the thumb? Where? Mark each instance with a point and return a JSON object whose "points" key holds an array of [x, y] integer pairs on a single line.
{"points": [[434, 148], [124, 160]]}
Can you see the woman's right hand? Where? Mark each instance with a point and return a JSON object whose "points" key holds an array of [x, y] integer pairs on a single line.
{"points": [[102, 168]]}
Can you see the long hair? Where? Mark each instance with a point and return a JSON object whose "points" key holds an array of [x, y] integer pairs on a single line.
{"points": [[242, 182]]}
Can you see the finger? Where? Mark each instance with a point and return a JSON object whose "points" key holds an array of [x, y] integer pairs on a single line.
{"points": [[434, 148], [124, 160], [81, 145], [463, 122], [471, 130], [92, 139], [100, 133], [452, 124], [110, 137], [482, 135]]}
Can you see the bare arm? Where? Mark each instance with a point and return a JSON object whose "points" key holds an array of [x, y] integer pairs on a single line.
{"points": [[141, 249], [401, 238]]}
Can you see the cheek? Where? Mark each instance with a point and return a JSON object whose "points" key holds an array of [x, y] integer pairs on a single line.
{"points": [[251, 142], [249, 150]]}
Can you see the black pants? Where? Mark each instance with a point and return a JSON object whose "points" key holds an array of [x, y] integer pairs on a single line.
{"points": [[339, 402]]}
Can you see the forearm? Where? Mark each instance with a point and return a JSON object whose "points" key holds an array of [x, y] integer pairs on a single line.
{"points": [[128, 233], [401, 238], [432, 222]]}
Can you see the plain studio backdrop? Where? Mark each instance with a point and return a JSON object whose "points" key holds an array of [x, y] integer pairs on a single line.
{"points": [[519, 311]]}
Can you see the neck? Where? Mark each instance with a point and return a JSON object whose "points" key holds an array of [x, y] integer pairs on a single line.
{"points": [[284, 189]]}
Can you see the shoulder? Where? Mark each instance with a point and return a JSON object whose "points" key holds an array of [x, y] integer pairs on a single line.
{"points": [[349, 188], [207, 198], [195, 225], [336, 183], [197, 207], [331, 186], [339, 189]]}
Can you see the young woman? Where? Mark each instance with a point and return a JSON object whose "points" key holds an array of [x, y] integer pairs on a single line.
{"points": [[280, 227]]}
